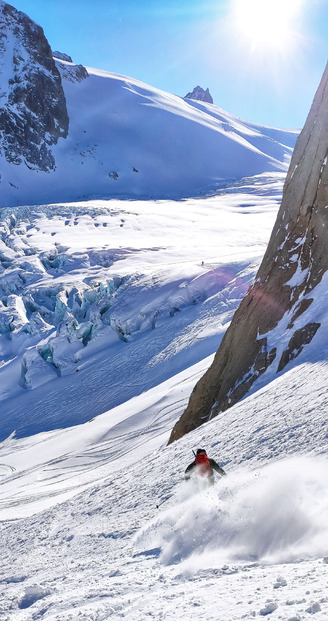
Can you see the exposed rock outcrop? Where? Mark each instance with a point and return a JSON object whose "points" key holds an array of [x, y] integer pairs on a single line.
{"points": [[293, 265], [33, 113], [62, 56], [200, 95], [71, 72]]}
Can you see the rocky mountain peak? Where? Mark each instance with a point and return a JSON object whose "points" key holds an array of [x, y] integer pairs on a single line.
{"points": [[276, 320], [33, 113], [200, 95]]}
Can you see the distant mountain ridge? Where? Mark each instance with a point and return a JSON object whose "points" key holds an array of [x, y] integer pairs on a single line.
{"points": [[71, 133]]}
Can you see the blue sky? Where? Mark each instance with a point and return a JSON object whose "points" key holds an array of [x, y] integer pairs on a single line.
{"points": [[177, 44]]}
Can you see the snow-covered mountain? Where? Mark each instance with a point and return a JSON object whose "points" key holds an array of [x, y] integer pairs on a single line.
{"points": [[110, 311], [124, 138], [81, 281]]}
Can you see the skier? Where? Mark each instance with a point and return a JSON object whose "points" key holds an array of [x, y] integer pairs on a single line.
{"points": [[204, 466]]}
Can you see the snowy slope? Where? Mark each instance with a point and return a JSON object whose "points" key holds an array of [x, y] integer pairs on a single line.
{"points": [[128, 139], [254, 545]]}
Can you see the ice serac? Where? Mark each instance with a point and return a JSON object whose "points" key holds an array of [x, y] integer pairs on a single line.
{"points": [[33, 113], [200, 95], [279, 301]]}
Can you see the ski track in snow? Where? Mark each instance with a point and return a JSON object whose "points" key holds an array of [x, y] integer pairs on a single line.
{"points": [[81, 535]]}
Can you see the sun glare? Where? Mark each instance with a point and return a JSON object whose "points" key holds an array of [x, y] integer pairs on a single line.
{"points": [[266, 23]]}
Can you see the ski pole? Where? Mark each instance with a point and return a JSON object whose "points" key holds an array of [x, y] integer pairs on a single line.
{"points": [[195, 455], [162, 502]]}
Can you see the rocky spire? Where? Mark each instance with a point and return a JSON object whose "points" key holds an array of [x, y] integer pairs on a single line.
{"points": [[285, 286], [33, 114], [200, 95]]}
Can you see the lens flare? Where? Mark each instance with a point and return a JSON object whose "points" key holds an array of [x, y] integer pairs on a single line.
{"points": [[266, 23]]}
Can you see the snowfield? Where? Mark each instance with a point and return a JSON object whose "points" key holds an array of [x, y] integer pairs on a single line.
{"points": [[127, 139], [111, 311], [92, 290]]}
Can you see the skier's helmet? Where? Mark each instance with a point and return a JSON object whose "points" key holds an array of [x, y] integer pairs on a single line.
{"points": [[199, 451]]}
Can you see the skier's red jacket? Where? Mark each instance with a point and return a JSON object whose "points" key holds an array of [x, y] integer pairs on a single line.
{"points": [[197, 464]]}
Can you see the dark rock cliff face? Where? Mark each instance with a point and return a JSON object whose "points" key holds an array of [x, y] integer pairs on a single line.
{"points": [[33, 113], [293, 265]]}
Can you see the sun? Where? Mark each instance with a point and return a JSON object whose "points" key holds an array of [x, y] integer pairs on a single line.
{"points": [[266, 23]]}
